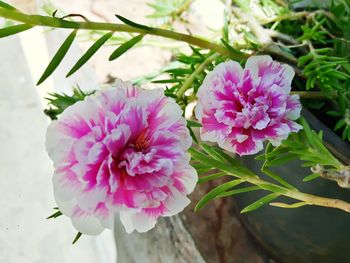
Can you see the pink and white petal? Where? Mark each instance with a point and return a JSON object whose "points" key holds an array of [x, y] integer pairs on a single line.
{"points": [[255, 65], [269, 72], [88, 200], [66, 206], [212, 130], [138, 221], [221, 79], [66, 184], [186, 179], [175, 203], [105, 215], [248, 146], [86, 223], [58, 145], [294, 127], [228, 71], [293, 107], [117, 139]]}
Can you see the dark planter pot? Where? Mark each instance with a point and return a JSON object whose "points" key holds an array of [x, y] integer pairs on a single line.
{"points": [[306, 234]]}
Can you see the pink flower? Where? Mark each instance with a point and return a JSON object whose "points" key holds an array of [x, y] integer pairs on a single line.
{"points": [[241, 108], [121, 150]]}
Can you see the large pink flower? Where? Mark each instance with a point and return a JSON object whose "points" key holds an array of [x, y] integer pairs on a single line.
{"points": [[121, 150], [241, 108]]}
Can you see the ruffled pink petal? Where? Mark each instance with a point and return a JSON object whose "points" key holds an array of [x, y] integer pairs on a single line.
{"points": [[240, 109], [116, 152]]}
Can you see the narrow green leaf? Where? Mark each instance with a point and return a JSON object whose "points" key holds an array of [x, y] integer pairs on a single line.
{"points": [[216, 191], [162, 81], [311, 177], [57, 214], [125, 47], [133, 24], [6, 6], [281, 160], [234, 51], [239, 191], [227, 168], [210, 177], [90, 52], [56, 60], [260, 157], [12, 30], [76, 238], [259, 203], [191, 123], [277, 178], [209, 150], [283, 205], [340, 124], [193, 135]]}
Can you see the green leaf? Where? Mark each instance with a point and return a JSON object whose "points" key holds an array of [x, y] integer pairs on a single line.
{"points": [[54, 215], [6, 6], [12, 30], [277, 178], [125, 47], [234, 51], [283, 205], [239, 191], [90, 52], [56, 60], [340, 124], [210, 150], [216, 191], [133, 24], [162, 81], [281, 160], [76, 238], [227, 168], [210, 177], [259, 203], [193, 135], [311, 177], [193, 124]]}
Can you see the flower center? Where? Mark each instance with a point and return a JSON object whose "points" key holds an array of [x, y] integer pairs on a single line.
{"points": [[142, 141]]}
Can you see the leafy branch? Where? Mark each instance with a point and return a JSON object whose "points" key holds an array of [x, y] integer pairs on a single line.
{"points": [[218, 160], [29, 21]]}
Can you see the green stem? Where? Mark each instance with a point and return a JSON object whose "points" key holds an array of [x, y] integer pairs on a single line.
{"points": [[38, 20], [189, 81], [288, 16], [307, 198]]}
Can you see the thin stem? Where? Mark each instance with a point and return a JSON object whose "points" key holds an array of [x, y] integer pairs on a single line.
{"points": [[308, 198], [289, 16], [189, 81], [38, 20]]}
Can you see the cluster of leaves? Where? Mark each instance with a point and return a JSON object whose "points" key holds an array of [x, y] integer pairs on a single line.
{"points": [[327, 67], [169, 10], [323, 57], [212, 163], [183, 72], [59, 102], [307, 146]]}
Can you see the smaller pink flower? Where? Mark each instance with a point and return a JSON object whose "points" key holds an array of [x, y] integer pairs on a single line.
{"points": [[241, 108], [121, 151]]}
